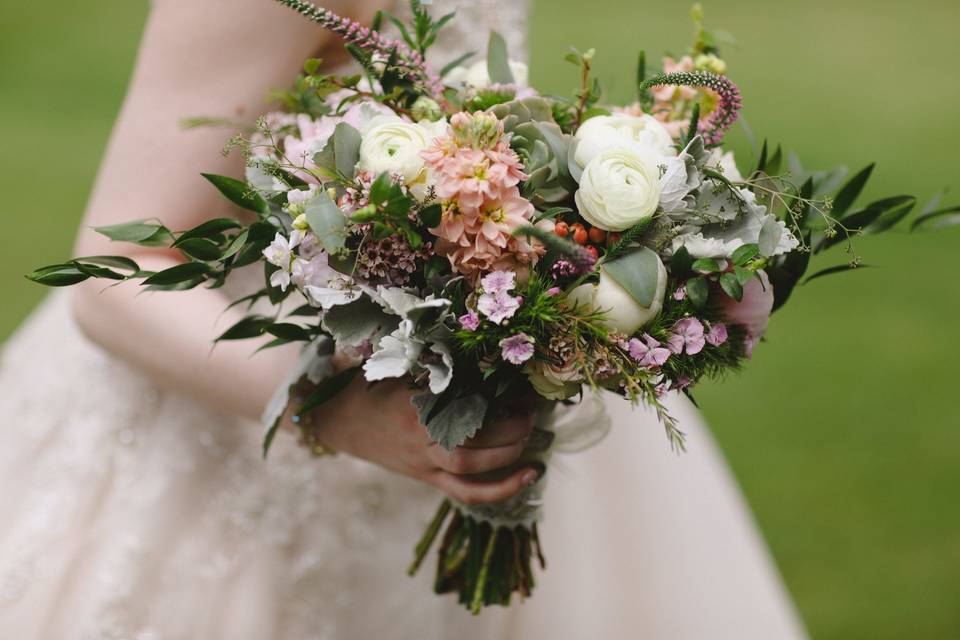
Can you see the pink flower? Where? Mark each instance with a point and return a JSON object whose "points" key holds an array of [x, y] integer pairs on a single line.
{"points": [[470, 320], [753, 310], [554, 291], [681, 383], [498, 307], [687, 335], [648, 353], [517, 349], [680, 293], [717, 334], [498, 282]]}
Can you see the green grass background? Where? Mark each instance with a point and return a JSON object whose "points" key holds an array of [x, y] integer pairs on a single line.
{"points": [[844, 431]]}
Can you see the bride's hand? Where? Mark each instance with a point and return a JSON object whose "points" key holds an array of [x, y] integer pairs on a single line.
{"points": [[381, 426]]}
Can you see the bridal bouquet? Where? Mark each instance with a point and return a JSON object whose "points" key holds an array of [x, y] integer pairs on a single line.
{"points": [[489, 244]]}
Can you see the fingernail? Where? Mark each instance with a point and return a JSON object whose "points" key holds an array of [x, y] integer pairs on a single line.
{"points": [[529, 477]]}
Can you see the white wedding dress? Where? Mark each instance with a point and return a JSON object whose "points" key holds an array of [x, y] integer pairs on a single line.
{"points": [[128, 512]]}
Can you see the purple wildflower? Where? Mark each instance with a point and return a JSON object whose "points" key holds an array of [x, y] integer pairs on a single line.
{"points": [[517, 349], [470, 320], [728, 105], [498, 307], [717, 334], [648, 353], [687, 334], [680, 293], [498, 282]]}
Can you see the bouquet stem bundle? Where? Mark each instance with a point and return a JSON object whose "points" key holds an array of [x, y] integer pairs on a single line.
{"points": [[482, 562]]}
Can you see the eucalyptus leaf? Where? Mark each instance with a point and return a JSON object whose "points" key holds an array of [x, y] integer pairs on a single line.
{"points": [[638, 272], [346, 144], [498, 60], [327, 222]]}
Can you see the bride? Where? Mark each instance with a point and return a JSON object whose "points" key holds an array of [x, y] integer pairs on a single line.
{"points": [[134, 504]]}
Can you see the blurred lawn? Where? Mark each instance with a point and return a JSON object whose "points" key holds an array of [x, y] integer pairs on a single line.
{"points": [[841, 431]]}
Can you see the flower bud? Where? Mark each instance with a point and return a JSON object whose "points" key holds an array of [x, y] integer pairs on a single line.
{"points": [[426, 108]]}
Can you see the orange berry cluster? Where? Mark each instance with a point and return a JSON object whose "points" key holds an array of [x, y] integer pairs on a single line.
{"points": [[590, 238]]}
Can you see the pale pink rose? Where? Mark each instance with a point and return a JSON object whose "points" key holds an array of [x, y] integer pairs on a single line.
{"points": [[753, 311]]}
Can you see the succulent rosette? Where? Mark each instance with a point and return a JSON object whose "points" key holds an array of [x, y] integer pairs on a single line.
{"points": [[490, 245]]}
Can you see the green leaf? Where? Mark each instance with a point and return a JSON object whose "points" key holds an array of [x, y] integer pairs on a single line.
{"points": [[731, 286], [745, 253], [743, 274], [707, 265], [681, 262], [208, 229], [145, 234], [451, 422], [946, 216], [346, 145], [328, 389], [637, 271], [239, 193], [380, 189], [848, 194], [698, 290], [180, 273], [498, 60], [840, 268], [327, 222], [453, 64], [199, 248], [430, 215], [249, 327], [436, 265], [290, 332], [236, 244], [58, 275]]}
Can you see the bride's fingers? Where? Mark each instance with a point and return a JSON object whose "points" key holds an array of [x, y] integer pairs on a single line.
{"points": [[500, 433], [462, 461], [475, 492]]}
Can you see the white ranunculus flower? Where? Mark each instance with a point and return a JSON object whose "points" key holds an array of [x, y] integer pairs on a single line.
{"points": [[477, 75], [618, 189], [623, 312], [642, 134], [393, 145]]}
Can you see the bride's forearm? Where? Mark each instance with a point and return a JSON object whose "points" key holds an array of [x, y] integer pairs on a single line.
{"points": [[169, 335]]}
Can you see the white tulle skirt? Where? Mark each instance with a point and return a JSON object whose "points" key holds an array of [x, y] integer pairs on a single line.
{"points": [[127, 512]]}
